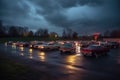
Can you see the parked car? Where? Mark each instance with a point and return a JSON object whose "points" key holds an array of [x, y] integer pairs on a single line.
{"points": [[15, 43], [33, 44], [113, 44], [9, 42], [94, 50], [53, 46], [67, 47], [39, 45], [84, 44], [22, 44]]}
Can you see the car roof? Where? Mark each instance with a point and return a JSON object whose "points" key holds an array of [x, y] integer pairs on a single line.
{"points": [[94, 45]]}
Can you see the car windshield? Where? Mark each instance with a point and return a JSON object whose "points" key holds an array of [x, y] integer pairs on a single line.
{"points": [[39, 43], [113, 42], [94, 47], [50, 44], [67, 45]]}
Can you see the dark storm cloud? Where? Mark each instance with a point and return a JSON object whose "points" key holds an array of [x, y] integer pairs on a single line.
{"points": [[93, 15], [12, 11], [54, 11], [72, 3], [13, 8]]}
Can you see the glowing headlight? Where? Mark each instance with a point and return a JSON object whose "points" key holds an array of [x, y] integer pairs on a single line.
{"points": [[21, 45], [30, 45], [14, 43], [41, 47]]}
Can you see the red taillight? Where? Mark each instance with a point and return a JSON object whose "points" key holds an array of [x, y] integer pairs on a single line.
{"points": [[90, 50], [87, 50]]}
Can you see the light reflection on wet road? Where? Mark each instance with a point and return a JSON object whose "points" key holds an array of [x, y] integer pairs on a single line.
{"points": [[105, 66]]}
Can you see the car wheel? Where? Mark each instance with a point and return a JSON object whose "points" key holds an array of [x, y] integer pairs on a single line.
{"points": [[105, 54], [84, 54], [94, 55], [61, 51]]}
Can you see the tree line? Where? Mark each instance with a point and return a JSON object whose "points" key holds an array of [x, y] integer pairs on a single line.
{"points": [[113, 34], [19, 31], [14, 31]]}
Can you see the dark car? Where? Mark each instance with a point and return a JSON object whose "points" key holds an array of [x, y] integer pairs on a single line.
{"points": [[22, 44], [53, 46], [67, 47], [94, 50], [9, 42], [113, 44]]}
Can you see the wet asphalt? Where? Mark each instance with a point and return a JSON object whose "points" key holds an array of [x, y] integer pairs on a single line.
{"points": [[72, 67]]}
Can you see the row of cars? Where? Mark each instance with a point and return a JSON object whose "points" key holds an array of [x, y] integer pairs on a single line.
{"points": [[87, 48], [41, 45], [45, 45], [99, 48]]}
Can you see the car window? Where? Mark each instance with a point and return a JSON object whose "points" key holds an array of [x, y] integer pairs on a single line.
{"points": [[94, 47], [40, 43]]}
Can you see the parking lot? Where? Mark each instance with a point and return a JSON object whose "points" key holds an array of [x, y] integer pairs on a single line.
{"points": [[75, 66]]}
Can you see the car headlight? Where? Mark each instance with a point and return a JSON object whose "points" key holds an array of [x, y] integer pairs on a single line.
{"points": [[30, 45], [21, 45], [41, 47]]}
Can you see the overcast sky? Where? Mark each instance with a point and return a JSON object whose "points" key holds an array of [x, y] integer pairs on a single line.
{"points": [[82, 16]]}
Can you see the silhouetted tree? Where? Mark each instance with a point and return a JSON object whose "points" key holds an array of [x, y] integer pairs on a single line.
{"points": [[25, 31], [30, 33], [53, 35], [115, 33], [20, 31], [75, 35], [67, 33], [13, 32], [2, 29], [39, 32], [46, 34], [64, 34], [107, 33], [42, 32]]}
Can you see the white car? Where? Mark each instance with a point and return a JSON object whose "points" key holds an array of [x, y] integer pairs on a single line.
{"points": [[53, 46], [38, 45]]}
